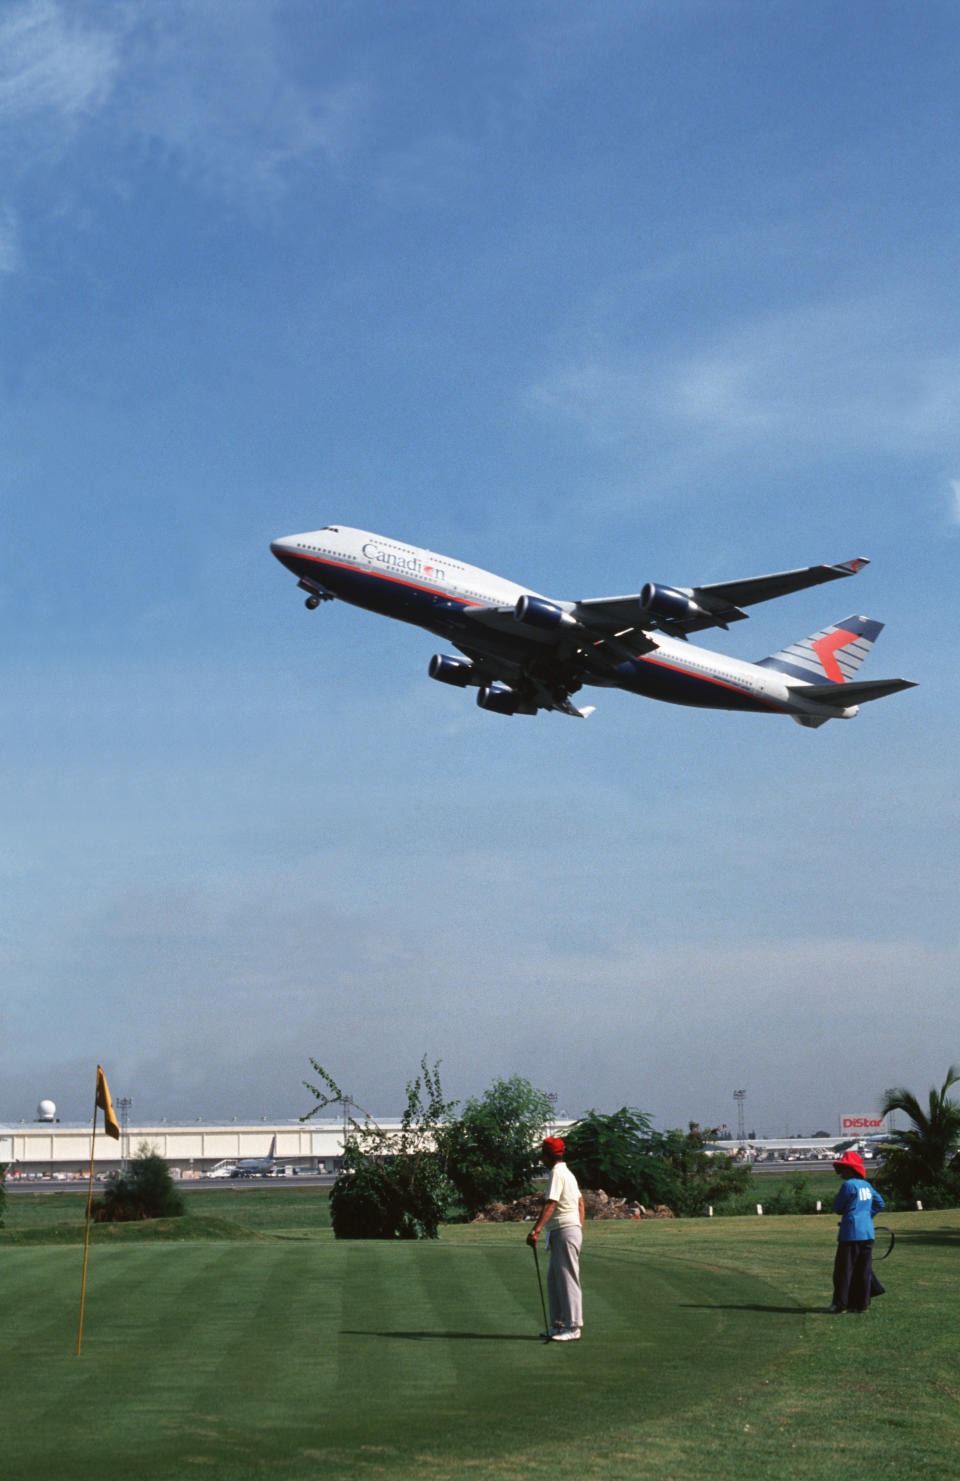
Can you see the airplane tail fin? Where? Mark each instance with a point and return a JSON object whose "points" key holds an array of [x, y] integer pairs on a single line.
{"points": [[272, 1154], [831, 656]]}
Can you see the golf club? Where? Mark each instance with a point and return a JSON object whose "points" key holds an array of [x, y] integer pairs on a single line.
{"points": [[543, 1304], [883, 1229]]}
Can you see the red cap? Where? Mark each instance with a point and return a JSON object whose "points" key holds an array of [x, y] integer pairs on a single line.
{"points": [[854, 1160], [553, 1145]]}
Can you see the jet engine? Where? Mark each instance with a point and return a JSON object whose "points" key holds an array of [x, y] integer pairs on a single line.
{"points": [[503, 700], [668, 602], [458, 671], [538, 612]]}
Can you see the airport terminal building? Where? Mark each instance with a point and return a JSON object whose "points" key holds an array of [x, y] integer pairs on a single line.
{"points": [[50, 1149], [61, 1151]]}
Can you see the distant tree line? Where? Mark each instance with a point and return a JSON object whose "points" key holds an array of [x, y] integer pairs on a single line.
{"points": [[438, 1166], [443, 1165], [623, 1154]]}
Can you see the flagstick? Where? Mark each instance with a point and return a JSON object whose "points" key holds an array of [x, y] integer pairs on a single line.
{"points": [[86, 1237]]}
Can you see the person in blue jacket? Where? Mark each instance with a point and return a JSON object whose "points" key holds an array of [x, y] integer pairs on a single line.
{"points": [[854, 1282]]}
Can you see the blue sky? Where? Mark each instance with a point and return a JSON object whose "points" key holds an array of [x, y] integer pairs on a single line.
{"points": [[589, 297]]}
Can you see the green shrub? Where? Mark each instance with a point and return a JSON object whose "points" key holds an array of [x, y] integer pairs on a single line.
{"points": [[492, 1150], [942, 1192], [701, 1178], [391, 1184], [393, 1197], [792, 1196], [143, 1190], [3, 1191], [613, 1152]]}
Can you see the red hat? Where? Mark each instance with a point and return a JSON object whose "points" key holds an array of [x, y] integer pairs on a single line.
{"points": [[854, 1160], [553, 1145]]}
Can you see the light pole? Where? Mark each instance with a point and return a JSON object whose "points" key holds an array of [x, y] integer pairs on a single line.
{"points": [[124, 1103], [345, 1102], [740, 1096]]}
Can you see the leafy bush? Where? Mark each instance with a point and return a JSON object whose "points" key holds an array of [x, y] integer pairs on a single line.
{"points": [[143, 1190], [793, 1196], [700, 1178], [621, 1154], [391, 1185], [3, 1191], [492, 1151], [404, 1196], [615, 1153], [943, 1192]]}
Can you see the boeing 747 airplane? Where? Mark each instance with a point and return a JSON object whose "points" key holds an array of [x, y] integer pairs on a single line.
{"points": [[256, 1167], [524, 652]]}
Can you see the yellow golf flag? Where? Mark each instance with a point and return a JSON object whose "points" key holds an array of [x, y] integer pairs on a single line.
{"points": [[110, 1123]]}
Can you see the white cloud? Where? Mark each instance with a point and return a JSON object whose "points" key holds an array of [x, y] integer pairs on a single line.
{"points": [[9, 240], [216, 87], [862, 377], [954, 509], [51, 63], [846, 374]]}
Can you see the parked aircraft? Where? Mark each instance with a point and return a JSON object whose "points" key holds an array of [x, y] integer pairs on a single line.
{"points": [[256, 1167], [524, 652]]}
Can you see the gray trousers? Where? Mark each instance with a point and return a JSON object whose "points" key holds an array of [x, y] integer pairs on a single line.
{"points": [[563, 1277]]}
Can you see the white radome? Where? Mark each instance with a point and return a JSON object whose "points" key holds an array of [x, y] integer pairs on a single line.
{"points": [[46, 1110]]}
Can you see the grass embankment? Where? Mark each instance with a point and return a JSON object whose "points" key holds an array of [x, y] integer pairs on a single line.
{"points": [[289, 1355], [58, 1218]]}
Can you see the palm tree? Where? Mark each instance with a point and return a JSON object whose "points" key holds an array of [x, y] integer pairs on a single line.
{"points": [[922, 1156]]}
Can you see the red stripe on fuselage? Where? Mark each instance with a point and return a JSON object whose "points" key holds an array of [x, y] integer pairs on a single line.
{"points": [[677, 668], [470, 602], [394, 580]]}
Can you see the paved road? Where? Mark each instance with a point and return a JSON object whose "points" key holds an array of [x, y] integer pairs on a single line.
{"points": [[80, 1185], [322, 1180]]}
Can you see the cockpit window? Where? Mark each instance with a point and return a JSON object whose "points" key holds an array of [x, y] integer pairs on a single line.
{"points": [[332, 528]]}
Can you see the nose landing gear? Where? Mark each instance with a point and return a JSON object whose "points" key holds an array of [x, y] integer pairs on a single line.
{"points": [[315, 597]]}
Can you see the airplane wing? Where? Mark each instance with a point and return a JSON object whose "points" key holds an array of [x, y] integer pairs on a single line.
{"points": [[687, 609], [560, 642], [670, 609]]}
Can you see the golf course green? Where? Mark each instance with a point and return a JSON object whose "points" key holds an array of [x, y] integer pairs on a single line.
{"points": [[245, 1341]]}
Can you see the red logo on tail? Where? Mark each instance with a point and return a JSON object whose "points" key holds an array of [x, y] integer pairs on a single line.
{"points": [[826, 648]]}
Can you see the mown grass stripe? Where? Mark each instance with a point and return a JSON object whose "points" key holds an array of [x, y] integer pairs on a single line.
{"points": [[231, 1361]]}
